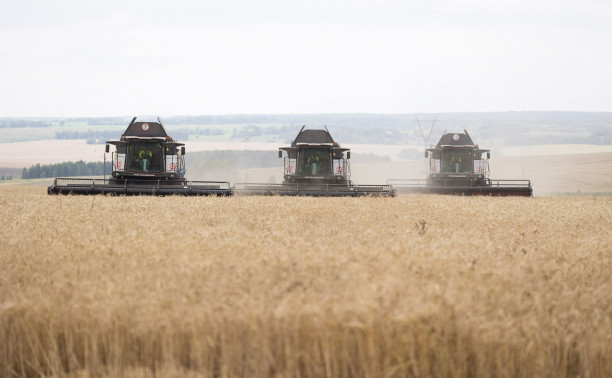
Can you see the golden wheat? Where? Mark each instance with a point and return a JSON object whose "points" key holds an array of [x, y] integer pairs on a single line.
{"points": [[304, 287]]}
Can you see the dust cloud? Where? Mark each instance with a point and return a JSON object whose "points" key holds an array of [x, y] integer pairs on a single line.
{"points": [[587, 173], [235, 175], [556, 174]]}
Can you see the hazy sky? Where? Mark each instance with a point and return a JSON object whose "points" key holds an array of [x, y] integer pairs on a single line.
{"points": [[121, 57]]}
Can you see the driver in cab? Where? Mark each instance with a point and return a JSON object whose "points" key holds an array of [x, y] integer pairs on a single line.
{"points": [[313, 164], [455, 163], [145, 155]]}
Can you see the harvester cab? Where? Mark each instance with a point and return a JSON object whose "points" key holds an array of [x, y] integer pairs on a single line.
{"points": [[457, 161], [146, 151], [458, 166], [145, 161], [314, 157], [315, 165]]}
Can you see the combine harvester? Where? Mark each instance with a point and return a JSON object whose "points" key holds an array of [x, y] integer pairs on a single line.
{"points": [[458, 166], [146, 161], [315, 165]]}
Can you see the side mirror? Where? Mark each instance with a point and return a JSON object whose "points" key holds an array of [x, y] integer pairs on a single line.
{"points": [[107, 148], [348, 154], [183, 150], [488, 155], [426, 153], [280, 154]]}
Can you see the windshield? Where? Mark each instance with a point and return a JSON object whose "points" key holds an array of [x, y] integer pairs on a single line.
{"points": [[457, 161], [314, 161], [145, 157]]}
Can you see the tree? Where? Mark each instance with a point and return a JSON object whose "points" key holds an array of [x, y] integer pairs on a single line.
{"points": [[65, 169]]}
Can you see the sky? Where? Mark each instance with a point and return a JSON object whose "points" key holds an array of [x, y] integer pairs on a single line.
{"points": [[75, 58]]}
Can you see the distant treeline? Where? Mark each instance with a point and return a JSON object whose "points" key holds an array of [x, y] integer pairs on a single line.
{"points": [[87, 134], [294, 120], [521, 134], [19, 123], [101, 136], [282, 132], [4, 178], [500, 128], [342, 134], [66, 169], [100, 121]]}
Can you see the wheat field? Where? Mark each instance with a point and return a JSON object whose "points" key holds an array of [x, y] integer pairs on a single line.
{"points": [[416, 286]]}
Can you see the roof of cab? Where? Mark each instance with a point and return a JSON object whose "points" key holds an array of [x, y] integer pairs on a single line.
{"points": [[313, 137]]}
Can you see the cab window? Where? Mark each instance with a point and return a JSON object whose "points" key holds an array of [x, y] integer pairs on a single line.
{"points": [[314, 161], [457, 161], [145, 157]]}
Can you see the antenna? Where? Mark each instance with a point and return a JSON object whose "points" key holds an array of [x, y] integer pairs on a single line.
{"points": [[423, 134]]}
